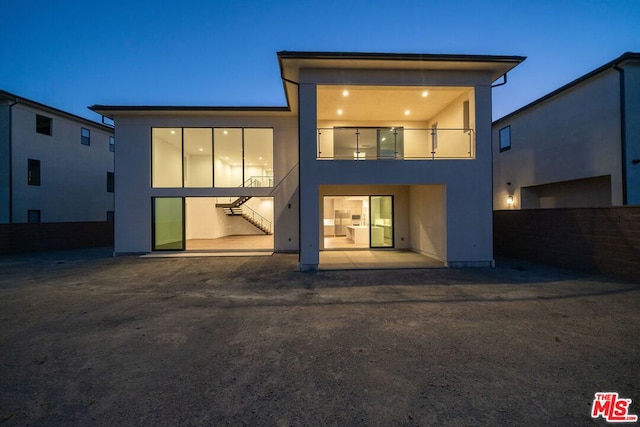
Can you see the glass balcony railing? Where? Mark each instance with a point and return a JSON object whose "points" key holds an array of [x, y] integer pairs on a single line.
{"points": [[395, 143]]}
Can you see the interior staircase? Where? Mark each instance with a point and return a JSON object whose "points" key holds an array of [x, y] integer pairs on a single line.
{"points": [[235, 209]]}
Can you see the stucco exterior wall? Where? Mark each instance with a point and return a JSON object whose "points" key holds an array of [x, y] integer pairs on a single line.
{"points": [[5, 156], [73, 176], [133, 223], [632, 131], [573, 135], [468, 182]]}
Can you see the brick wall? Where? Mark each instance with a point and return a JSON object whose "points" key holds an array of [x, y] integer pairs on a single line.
{"points": [[599, 240], [16, 238]]}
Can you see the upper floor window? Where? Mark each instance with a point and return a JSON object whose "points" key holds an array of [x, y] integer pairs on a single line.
{"points": [[85, 136], [504, 136], [43, 124], [112, 144], [33, 172], [212, 157]]}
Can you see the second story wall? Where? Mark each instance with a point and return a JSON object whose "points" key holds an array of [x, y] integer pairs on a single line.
{"points": [[135, 189], [59, 167], [569, 138]]}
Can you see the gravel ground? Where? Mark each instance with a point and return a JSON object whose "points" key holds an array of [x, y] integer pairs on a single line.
{"points": [[86, 339]]}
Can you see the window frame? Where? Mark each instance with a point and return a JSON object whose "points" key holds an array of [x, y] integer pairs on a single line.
{"points": [[37, 212], [501, 132], [111, 182], [85, 139], [112, 143], [44, 129], [34, 172]]}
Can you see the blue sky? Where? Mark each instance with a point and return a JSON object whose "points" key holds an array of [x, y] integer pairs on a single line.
{"points": [[72, 54]]}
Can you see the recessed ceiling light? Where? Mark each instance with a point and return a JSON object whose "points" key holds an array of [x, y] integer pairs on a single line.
{"points": [[259, 158], [425, 94], [339, 112], [407, 112], [345, 93], [225, 132], [201, 149], [173, 132]]}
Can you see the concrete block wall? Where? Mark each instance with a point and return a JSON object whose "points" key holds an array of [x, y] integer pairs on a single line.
{"points": [[597, 240], [16, 238]]}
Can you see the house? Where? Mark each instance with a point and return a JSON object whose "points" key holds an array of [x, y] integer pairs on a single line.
{"points": [[376, 151], [578, 146], [55, 166]]}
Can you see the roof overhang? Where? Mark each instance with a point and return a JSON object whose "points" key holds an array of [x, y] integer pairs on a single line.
{"points": [[292, 62]]}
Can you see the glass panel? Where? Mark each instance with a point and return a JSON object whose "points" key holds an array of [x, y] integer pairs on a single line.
{"points": [[390, 143], [325, 143], [417, 143], [227, 150], [166, 157], [168, 230], [344, 143], [258, 157], [198, 160], [381, 221]]}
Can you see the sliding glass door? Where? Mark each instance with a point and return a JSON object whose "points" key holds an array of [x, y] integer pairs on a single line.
{"points": [[381, 226], [168, 224]]}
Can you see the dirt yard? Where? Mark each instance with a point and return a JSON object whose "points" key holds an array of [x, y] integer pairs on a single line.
{"points": [[90, 340]]}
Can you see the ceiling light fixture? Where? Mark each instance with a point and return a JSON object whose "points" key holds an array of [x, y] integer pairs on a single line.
{"points": [[225, 132], [201, 149], [345, 93], [407, 112], [339, 112], [173, 132], [425, 94]]}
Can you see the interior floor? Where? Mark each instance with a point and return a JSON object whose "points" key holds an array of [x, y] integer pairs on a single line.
{"points": [[243, 242]]}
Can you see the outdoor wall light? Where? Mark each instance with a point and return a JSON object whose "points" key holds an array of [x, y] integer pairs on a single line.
{"points": [[510, 201]]}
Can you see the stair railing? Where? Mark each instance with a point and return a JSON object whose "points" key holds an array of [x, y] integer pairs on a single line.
{"points": [[265, 224]]}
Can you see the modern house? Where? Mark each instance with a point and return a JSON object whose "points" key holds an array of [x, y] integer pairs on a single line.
{"points": [[578, 146], [376, 151], [54, 166]]}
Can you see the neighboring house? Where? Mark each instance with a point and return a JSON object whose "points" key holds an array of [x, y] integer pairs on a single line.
{"points": [[55, 166], [380, 151], [578, 146]]}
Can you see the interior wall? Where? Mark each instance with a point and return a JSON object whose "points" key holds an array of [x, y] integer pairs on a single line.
{"points": [[205, 221], [167, 164], [428, 220], [454, 143], [400, 195]]}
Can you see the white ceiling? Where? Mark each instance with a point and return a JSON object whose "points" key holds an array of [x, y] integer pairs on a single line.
{"points": [[384, 103]]}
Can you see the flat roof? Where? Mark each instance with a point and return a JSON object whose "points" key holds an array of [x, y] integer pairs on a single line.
{"points": [[34, 104], [291, 61], [627, 56]]}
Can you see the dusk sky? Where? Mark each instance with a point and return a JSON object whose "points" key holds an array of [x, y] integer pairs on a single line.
{"points": [[72, 54]]}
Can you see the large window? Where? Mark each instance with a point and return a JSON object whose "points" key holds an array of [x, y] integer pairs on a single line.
{"points": [[504, 135], [212, 157]]}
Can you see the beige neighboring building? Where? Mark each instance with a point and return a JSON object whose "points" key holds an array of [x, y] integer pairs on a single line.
{"points": [[578, 146], [373, 151], [54, 166]]}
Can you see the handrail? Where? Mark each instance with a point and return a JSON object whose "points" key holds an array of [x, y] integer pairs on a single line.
{"points": [[368, 143], [262, 219], [255, 181]]}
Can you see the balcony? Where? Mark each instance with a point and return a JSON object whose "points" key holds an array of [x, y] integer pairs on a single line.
{"points": [[394, 143]]}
